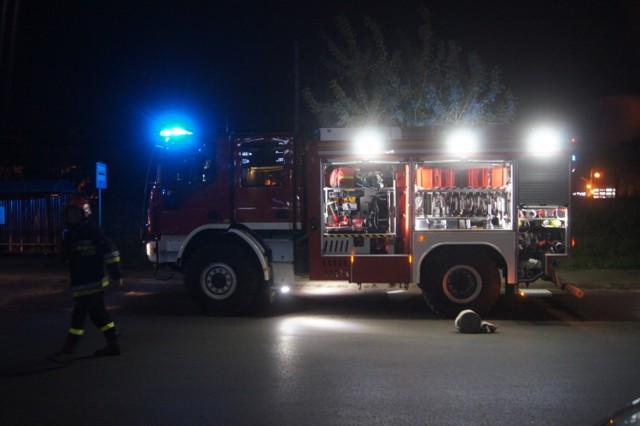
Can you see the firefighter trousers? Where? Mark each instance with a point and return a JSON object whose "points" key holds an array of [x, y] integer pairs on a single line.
{"points": [[91, 305]]}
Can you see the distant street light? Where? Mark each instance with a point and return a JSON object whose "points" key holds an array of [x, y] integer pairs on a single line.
{"points": [[592, 174]]}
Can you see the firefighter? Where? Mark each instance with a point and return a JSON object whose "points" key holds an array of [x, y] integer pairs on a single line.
{"points": [[92, 259]]}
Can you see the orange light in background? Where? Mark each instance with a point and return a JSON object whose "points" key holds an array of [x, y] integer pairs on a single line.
{"points": [[590, 185], [422, 238], [573, 242]]}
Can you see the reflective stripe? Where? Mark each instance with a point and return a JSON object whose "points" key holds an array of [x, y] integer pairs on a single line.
{"points": [[90, 288], [76, 331], [95, 284], [108, 327], [112, 257], [84, 248]]}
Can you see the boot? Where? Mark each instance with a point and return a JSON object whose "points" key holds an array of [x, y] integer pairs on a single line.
{"points": [[113, 345], [65, 355]]}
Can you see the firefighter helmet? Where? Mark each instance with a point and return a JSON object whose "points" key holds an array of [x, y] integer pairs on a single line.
{"points": [[468, 321], [77, 209]]}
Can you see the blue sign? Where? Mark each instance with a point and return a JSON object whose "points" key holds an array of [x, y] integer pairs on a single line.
{"points": [[101, 175]]}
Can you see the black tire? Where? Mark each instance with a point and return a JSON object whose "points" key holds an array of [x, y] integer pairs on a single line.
{"points": [[224, 280], [461, 279]]}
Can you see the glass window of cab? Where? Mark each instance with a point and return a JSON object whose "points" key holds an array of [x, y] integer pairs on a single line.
{"points": [[262, 163]]}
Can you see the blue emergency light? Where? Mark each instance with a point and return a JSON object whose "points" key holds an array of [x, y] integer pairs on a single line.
{"points": [[175, 137], [174, 132]]}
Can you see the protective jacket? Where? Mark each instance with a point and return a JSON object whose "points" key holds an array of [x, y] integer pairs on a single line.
{"points": [[93, 259]]}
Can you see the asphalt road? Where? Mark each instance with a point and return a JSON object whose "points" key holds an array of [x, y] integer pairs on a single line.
{"points": [[340, 357]]}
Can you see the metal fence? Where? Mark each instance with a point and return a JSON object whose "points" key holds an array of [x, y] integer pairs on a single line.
{"points": [[32, 225], [31, 222]]}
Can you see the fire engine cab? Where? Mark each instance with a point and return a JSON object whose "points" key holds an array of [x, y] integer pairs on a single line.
{"points": [[464, 214]]}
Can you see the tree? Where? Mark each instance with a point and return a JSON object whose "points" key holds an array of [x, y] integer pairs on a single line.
{"points": [[413, 85], [462, 92]]}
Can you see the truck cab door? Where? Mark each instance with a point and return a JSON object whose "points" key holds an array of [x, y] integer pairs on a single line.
{"points": [[263, 182]]}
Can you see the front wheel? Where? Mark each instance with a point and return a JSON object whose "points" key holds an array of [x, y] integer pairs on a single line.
{"points": [[458, 280], [224, 280]]}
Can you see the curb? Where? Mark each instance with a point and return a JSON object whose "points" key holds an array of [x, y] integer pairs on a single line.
{"points": [[618, 279]]}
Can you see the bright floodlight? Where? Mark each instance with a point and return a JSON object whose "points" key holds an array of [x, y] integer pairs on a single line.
{"points": [[368, 141], [174, 132], [544, 140], [462, 141]]}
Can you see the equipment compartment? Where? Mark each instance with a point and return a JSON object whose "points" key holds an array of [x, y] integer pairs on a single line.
{"points": [[485, 203], [361, 219], [428, 177], [494, 177]]}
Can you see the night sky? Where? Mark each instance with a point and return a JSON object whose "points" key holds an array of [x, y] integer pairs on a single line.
{"points": [[102, 73]]}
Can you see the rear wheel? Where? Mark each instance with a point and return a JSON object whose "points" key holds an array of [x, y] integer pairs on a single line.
{"points": [[224, 280], [461, 279]]}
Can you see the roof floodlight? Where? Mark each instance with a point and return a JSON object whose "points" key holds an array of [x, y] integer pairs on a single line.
{"points": [[368, 141], [462, 141], [544, 140]]}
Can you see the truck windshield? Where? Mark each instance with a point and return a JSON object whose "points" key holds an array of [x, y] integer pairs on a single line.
{"points": [[181, 176], [193, 170]]}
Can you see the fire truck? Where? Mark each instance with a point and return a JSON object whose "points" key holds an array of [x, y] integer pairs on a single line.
{"points": [[465, 215]]}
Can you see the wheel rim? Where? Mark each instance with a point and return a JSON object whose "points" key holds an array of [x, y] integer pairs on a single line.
{"points": [[462, 284], [218, 281]]}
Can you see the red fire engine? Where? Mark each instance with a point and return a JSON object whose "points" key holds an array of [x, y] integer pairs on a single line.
{"points": [[462, 214]]}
